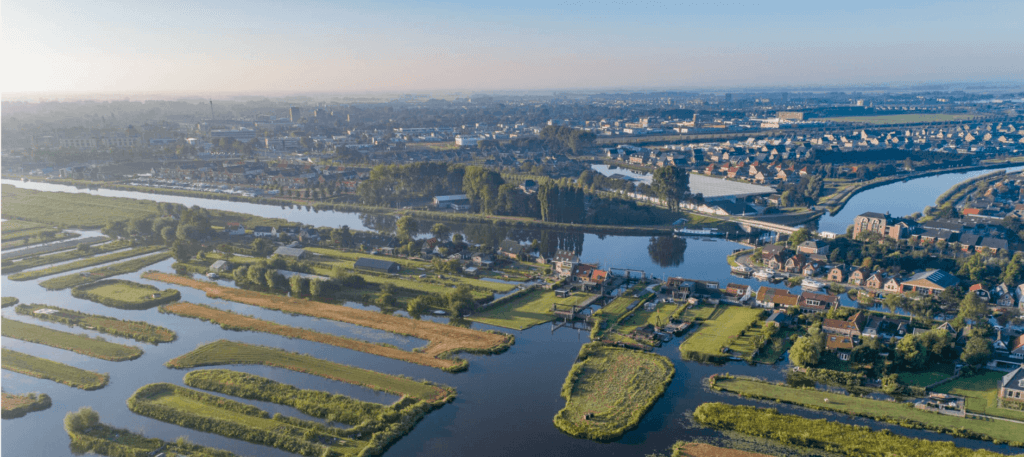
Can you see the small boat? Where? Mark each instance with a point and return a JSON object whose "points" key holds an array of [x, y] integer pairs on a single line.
{"points": [[812, 284], [741, 269], [764, 275], [699, 232]]}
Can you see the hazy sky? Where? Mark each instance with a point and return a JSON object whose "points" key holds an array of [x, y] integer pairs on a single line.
{"points": [[303, 46]]}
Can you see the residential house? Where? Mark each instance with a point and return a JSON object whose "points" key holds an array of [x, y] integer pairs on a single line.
{"points": [[483, 260], [858, 276], [772, 298], [780, 320], [737, 293], [289, 230], [776, 262], [234, 229], [853, 327], [220, 266], [875, 281], [840, 345], [837, 273], [769, 250], [813, 247], [512, 250], [930, 282], [885, 327], [882, 224], [262, 231], [794, 264], [1011, 389], [893, 285], [815, 303], [564, 262], [979, 290], [811, 268]]}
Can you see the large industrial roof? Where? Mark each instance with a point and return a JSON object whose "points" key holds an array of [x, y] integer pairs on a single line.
{"points": [[713, 188]]}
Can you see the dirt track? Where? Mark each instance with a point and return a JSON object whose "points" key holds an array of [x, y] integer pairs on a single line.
{"points": [[443, 338]]}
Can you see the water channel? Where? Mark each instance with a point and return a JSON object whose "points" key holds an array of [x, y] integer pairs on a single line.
{"points": [[505, 403]]}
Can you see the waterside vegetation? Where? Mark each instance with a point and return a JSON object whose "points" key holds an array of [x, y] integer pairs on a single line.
{"points": [[54, 371]]}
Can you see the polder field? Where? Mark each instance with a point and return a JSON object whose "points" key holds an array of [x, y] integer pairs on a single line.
{"points": [[501, 401]]}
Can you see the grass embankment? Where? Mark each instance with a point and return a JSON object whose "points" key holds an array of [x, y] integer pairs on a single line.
{"points": [[903, 414], [445, 340], [723, 328], [382, 424], [526, 310], [53, 247], [54, 371], [128, 266], [25, 242], [16, 226], [686, 449], [337, 408], [610, 389], [824, 435], [27, 233], [982, 393], [8, 302], [15, 406], [118, 293], [233, 321], [225, 352], [81, 344], [209, 413], [83, 263], [103, 439], [136, 330], [64, 256]]}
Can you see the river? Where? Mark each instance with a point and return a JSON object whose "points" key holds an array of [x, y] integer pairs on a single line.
{"points": [[505, 402]]}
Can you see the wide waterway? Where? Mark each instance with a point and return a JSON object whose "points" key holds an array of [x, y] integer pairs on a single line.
{"points": [[505, 402]]}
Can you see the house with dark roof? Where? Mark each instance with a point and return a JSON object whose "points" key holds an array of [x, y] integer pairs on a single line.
{"points": [[512, 250], [853, 327], [816, 303], [968, 241], [840, 345], [930, 282], [1011, 389], [295, 253], [772, 298], [837, 273], [383, 266], [994, 245], [813, 247]]}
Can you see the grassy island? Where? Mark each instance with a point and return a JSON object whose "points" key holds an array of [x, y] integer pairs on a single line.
{"points": [[114, 269], [118, 293], [233, 321], [89, 435], [610, 389], [83, 263], [15, 406], [824, 435], [136, 330], [898, 413], [8, 301], [445, 340], [225, 352], [80, 343], [54, 371], [725, 327]]}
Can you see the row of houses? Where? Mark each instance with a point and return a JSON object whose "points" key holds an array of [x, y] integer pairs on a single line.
{"points": [[969, 234]]}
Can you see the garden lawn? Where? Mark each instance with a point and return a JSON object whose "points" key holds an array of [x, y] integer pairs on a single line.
{"points": [[610, 390], [895, 412], [926, 378], [619, 306], [527, 310], [79, 343], [225, 352], [54, 371], [642, 317], [723, 328], [982, 392]]}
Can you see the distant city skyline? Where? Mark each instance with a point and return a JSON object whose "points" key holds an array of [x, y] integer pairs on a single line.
{"points": [[307, 47]]}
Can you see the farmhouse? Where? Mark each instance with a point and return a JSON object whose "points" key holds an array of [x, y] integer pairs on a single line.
{"points": [[383, 266]]}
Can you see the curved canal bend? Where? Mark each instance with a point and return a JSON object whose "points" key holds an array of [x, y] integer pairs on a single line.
{"points": [[506, 402]]}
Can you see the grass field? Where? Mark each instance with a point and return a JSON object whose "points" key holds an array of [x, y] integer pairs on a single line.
{"points": [[136, 330], [895, 412], [723, 328], [102, 439], [232, 321], [120, 268], [981, 392], [79, 343], [610, 390], [926, 378], [901, 118], [54, 371], [8, 301], [28, 233], [527, 310], [618, 307], [54, 247], [209, 413], [445, 340], [225, 352], [15, 226], [118, 293], [25, 242], [642, 317], [64, 256], [83, 263], [834, 437], [14, 406]]}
